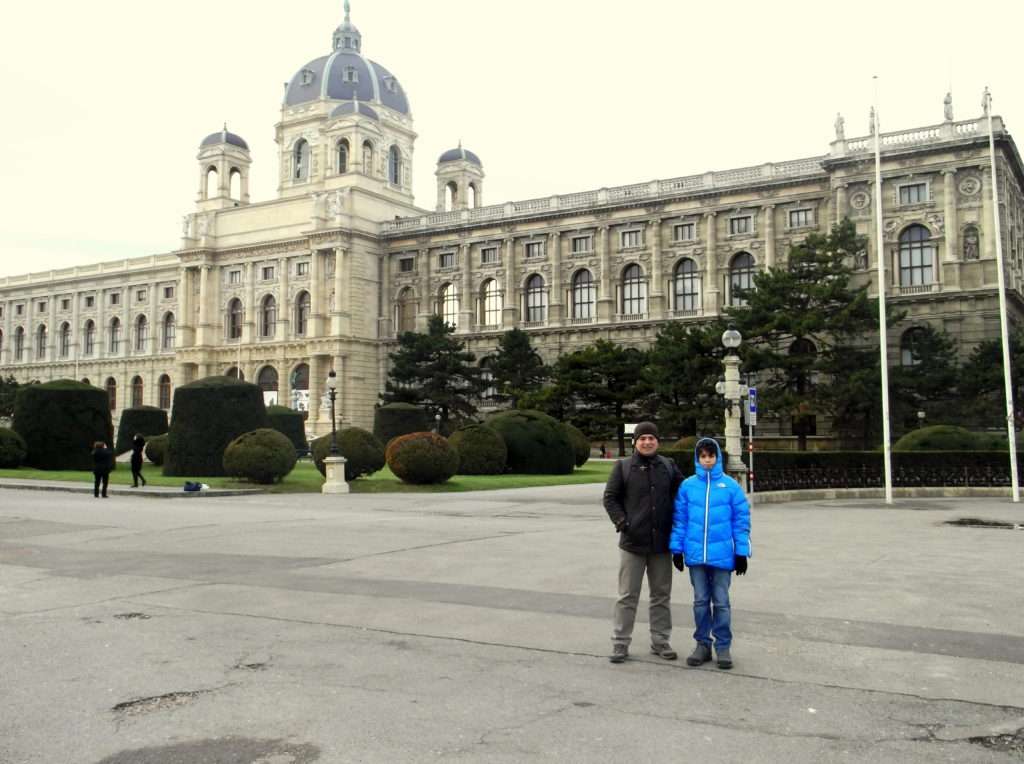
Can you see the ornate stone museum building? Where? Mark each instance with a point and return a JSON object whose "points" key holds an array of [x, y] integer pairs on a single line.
{"points": [[327, 273]]}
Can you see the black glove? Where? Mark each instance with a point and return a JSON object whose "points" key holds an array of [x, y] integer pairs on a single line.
{"points": [[741, 565], [679, 561], [622, 526]]}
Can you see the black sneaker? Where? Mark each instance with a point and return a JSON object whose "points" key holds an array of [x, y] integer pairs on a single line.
{"points": [[701, 654], [724, 658], [619, 654], [664, 650]]}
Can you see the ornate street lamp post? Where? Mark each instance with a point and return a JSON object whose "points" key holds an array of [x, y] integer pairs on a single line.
{"points": [[332, 392], [733, 391], [334, 463]]}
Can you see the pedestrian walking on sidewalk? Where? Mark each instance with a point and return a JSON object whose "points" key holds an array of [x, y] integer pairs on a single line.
{"points": [[138, 444], [102, 464], [638, 498]]}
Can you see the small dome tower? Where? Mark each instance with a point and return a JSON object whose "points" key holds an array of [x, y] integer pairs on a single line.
{"points": [[223, 156], [461, 174]]}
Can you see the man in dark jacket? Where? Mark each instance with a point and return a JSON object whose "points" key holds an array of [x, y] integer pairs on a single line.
{"points": [[639, 500], [102, 464]]}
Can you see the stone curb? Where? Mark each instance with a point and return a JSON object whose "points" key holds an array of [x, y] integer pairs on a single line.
{"points": [[917, 492], [141, 492]]}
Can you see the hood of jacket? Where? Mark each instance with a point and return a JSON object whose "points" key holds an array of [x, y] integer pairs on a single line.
{"points": [[717, 470]]}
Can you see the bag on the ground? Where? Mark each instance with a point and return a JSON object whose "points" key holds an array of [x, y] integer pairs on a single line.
{"points": [[190, 486]]}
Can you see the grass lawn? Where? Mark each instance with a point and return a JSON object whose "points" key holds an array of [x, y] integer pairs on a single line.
{"points": [[306, 479]]}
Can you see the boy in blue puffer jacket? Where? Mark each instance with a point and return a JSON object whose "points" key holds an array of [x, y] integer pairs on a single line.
{"points": [[711, 534]]}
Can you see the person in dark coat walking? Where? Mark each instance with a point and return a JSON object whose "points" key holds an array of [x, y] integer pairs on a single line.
{"points": [[138, 443], [102, 464], [639, 499]]}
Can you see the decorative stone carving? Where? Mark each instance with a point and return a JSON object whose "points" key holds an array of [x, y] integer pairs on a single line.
{"points": [[840, 127], [970, 238], [891, 226], [860, 260], [937, 222], [947, 107], [970, 186], [860, 200]]}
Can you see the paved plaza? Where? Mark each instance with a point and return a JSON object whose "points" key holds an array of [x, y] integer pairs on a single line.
{"points": [[475, 627]]}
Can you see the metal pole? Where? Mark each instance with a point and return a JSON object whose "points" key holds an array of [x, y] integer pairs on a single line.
{"points": [[241, 331], [334, 431], [1003, 329], [883, 349]]}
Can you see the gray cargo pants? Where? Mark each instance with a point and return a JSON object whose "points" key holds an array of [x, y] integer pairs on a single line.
{"points": [[659, 584]]}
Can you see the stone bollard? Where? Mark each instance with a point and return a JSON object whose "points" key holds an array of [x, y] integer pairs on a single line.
{"points": [[334, 482]]}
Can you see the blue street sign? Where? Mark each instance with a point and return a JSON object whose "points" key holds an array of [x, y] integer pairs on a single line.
{"points": [[752, 407]]}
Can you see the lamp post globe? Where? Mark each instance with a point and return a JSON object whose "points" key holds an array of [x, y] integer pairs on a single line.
{"points": [[731, 338]]}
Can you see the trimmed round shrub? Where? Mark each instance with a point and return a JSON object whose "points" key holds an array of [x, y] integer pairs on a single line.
{"points": [[422, 457], [143, 420], [580, 443], [686, 443], [12, 449], [537, 443], [262, 456], [940, 437], [394, 419], [59, 421], [363, 453], [481, 450], [156, 449], [291, 424], [208, 414]]}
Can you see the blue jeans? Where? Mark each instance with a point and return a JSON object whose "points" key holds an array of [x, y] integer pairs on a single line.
{"points": [[711, 613]]}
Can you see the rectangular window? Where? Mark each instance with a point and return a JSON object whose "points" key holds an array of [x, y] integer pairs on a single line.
{"points": [[406, 265], [140, 295], [64, 305], [534, 249], [914, 193], [268, 272], [302, 269], [800, 218], [168, 292], [90, 301], [580, 245], [446, 260], [234, 277], [19, 309], [740, 225], [488, 255], [630, 239], [115, 298], [1, 311], [685, 232], [42, 306]]}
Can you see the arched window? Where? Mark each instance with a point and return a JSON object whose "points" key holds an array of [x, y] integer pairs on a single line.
{"points": [[164, 392], [89, 338], [212, 182], [19, 344], [235, 373], [634, 291], [451, 195], [300, 160], [917, 257], [300, 387], [584, 294], [167, 339], [803, 352], [367, 158], [141, 334], [235, 319], [112, 392], [342, 156], [741, 276], [235, 186], [686, 286], [64, 345], [910, 344], [267, 379], [536, 299], [490, 300], [450, 304], [115, 335], [268, 316], [395, 166], [471, 196], [41, 342], [302, 307], [405, 314], [136, 391]]}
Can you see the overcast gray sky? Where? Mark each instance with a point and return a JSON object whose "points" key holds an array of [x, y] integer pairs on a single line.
{"points": [[107, 101]]}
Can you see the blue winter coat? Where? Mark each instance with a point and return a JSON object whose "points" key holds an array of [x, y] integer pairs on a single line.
{"points": [[712, 517]]}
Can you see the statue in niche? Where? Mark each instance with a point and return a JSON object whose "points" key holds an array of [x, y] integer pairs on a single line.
{"points": [[186, 226], [860, 260], [840, 127], [947, 107], [204, 226], [971, 251], [334, 203]]}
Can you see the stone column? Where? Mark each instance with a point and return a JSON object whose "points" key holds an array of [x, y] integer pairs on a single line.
{"points": [[250, 310], [317, 378], [769, 235], [656, 278], [284, 304], [510, 300], [181, 318], [52, 334], [466, 302], [284, 380], [386, 306], [154, 320], [204, 305], [987, 226], [711, 292], [6, 348], [341, 307], [216, 310], [75, 348], [313, 328], [840, 211], [426, 293], [952, 227], [605, 295], [102, 332], [556, 303]]}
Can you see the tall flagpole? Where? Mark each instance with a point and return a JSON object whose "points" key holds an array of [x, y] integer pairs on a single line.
{"points": [[882, 327], [1007, 385]]}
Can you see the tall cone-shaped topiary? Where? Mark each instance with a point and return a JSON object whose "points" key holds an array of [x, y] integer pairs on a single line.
{"points": [[59, 421], [207, 415]]}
